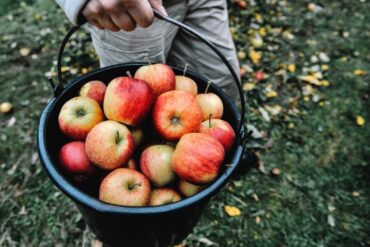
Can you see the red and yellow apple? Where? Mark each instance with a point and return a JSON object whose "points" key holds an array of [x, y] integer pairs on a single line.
{"points": [[75, 163], [188, 189], [94, 90], [211, 105], [138, 135], [197, 158], [78, 116], [186, 84], [128, 100], [176, 113], [155, 163], [162, 196], [125, 187], [219, 129], [160, 77], [109, 145]]}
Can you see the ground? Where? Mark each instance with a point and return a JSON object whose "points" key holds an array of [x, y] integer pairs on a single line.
{"points": [[306, 72]]}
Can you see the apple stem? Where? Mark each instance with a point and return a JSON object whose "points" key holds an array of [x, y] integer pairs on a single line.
{"points": [[185, 69], [208, 84], [129, 74], [118, 137], [209, 120], [148, 60], [131, 186]]}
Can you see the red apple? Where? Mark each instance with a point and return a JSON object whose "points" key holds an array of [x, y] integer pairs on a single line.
{"points": [[128, 100], [74, 161], [78, 116], [155, 163], [197, 158], [188, 189], [186, 84], [109, 145], [219, 129], [94, 90], [211, 105], [259, 75], [160, 77], [176, 113], [125, 187], [162, 196]]}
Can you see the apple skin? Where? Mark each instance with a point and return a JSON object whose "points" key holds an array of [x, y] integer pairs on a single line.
{"points": [[211, 105], [187, 189], [155, 163], [128, 100], [197, 158], [186, 84], [160, 77], [131, 164], [94, 90], [78, 116], [109, 145], [176, 113], [125, 187], [75, 163], [162, 196], [219, 129]]}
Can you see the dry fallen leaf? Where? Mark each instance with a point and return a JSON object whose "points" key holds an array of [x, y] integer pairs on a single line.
{"points": [[292, 68], [24, 51], [275, 171], [360, 120], [358, 72], [232, 211]]}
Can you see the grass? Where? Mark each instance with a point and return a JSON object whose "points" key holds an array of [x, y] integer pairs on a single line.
{"points": [[307, 128]]}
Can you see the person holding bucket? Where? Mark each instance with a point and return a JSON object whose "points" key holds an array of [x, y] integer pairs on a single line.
{"points": [[126, 31]]}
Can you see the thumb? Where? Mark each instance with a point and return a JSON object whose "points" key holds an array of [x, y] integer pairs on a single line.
{"points": [[157, 5]]}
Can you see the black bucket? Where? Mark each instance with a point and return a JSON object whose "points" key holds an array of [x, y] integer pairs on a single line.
{"points": [[135, 226]]}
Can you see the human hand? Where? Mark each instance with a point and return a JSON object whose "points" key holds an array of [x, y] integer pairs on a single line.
{"points": [[121, 14]]}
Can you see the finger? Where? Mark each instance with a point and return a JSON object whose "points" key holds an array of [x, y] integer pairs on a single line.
{"points": [[124, 21], [141, 12], [157, 5], [108, 23], [95, 23]]}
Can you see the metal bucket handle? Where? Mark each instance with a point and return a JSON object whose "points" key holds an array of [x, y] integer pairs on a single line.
{"points": [[243, 134]]}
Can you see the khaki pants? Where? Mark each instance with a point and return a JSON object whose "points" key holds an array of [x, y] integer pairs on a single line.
{"points": [[162, 42]]}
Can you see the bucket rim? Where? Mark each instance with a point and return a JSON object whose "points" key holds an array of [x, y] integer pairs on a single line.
{"points": [[93, 203]]}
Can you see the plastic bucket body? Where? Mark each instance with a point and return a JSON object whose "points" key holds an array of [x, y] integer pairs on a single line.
{"points": [[131, 226]]}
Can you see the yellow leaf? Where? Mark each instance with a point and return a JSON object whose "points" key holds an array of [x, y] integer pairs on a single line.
{"points": [[311, 6], [355, 194], [360, 121], [325, 83], [262, 31], [255, 56], [258, 18], [274, 110], [291, 68], [248, 86], [310, 79], [84, 70], [325, 67], [258, 219], [232, 211], [306, 98], [24, 51], [291, 126], [271, 94], [241, 55], [358, 72], [64, 69]]}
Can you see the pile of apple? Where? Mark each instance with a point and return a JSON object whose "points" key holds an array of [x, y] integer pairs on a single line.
{"points": [[106, 127]]}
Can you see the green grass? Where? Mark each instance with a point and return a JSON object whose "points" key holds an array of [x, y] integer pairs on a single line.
{"points": [[321, 197]]}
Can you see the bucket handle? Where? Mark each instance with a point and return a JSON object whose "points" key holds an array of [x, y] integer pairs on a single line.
{"points": [[243, 134]]}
